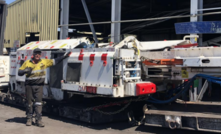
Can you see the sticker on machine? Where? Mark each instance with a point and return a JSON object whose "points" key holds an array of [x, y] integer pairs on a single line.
{"points": [[184, 73], [82, 89], [92, 90]]}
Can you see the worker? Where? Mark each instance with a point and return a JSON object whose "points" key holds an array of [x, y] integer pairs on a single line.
{"points": [[35, 70]]}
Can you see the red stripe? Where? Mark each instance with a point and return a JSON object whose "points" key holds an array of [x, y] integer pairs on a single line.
{"points": [[186, 46]]}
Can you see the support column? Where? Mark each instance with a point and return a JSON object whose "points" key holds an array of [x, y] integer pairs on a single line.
{"points": [[193, 11], [200, 18], [2, 26], [89, 20], [116, 16], [64, 19]]}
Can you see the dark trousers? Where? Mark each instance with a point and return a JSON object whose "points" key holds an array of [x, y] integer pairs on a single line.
{"points": [[34, 101]]}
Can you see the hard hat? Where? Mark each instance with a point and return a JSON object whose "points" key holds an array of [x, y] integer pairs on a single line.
{"points": [[5, 51], [37, 50]]}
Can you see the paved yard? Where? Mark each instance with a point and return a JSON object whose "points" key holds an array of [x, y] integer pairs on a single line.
{"points": [[12, 121]]}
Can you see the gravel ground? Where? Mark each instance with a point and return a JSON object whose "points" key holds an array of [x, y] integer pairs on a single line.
{"points": [[12, 121]]}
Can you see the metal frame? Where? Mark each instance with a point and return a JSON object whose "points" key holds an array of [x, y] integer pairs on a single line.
{"points": [[194, 18], [186, 120], [115, 16], [89, 20], [200, 18], [207, 9], [64, 18], [140, 20], [196, 15], [3, 26]]}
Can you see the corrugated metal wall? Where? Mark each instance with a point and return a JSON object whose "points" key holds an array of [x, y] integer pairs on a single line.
{"points": [[26, 16]]}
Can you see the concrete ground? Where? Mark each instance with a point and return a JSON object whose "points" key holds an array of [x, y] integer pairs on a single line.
{"points": [[12, 121]]}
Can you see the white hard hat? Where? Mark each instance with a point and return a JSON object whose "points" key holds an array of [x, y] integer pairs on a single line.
{"points": [[5, 51]]}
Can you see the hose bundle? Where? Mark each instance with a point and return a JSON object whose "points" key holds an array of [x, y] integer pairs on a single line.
{"points": [[186, 87]]}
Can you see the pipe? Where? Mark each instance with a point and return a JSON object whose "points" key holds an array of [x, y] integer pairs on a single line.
{"points": [[200, 18], [209, 9], [139, 20], [89, 20]]}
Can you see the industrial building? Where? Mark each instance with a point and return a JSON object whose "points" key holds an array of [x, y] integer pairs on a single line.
{"points": [[33, 20]]}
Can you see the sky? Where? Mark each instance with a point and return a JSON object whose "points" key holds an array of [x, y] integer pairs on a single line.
{"points": [[9, 1]]}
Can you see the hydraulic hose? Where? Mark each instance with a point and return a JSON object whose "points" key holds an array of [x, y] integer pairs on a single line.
{"points": [[210, 79]]}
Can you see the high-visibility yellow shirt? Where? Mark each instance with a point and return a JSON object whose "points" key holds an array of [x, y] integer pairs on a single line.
{"points": [[38, 73]]}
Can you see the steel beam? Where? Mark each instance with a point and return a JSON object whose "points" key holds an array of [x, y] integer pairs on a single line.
{"points": [[115, 16], [64, 18], [203, 90], [2, 26], [200, 18], [89, 20], [218, 39], [194, 18]]}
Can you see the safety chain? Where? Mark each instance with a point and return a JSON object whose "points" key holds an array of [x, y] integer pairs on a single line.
{"points": [[127, 102]]}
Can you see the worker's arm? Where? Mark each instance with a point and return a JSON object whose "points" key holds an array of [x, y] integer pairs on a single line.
{"points": [[24, 69], [51, 62]]}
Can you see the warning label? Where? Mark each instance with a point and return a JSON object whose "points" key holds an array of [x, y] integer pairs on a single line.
{"points": [[184, 73]]}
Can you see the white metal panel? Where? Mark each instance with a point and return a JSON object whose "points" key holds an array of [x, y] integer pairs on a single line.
{"points": [[97, 74], [73, 87], [216, 51], [125, 41], [185, 52], [130, 89], [127, 53], [82, 88], [55, 44], [197, 52], [106, 91], [4, 64], [191, 72], [150, 45], [154, 45], [13, 64], [192, 62], [198, 62], [4, 70], [158, 55]]}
